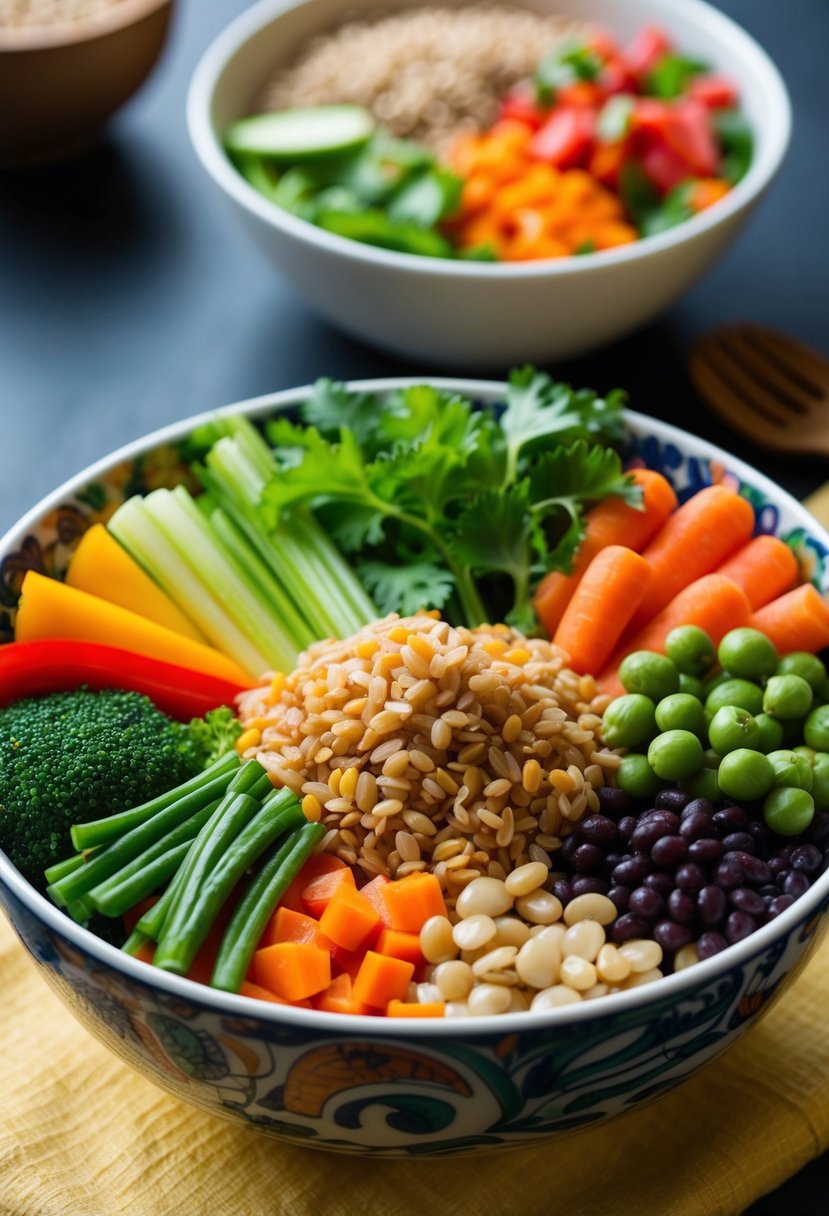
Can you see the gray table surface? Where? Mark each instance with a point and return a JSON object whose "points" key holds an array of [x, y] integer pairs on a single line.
{"points": [[129, 299]]}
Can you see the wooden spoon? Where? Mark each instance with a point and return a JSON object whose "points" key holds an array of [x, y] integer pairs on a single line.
{"points": [[771, 388]]}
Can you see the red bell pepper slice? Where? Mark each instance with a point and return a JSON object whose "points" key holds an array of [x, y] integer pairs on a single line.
{"points": [[646, 47], [616, 77], [682, 126], [662, 167], [30, 669], [566, 137], [714, 92], [520, 105]]}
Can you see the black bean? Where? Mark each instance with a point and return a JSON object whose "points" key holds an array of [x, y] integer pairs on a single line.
{"points": [[730, 819], [711, 905], [807, 858], [709, 944], [796, 883], [597, 829], [620, 896], [630, 926], [705, 851], [819, 829], [755, 869], [777, 865], [761, 837], [644, 901], [780, 904], [739, 840], [626, 826], [562, 890], [648, 831], [671, 936], [614, 803], [690, 878], [587, 859], [696, 825], [669, 851], [661, 882], [769, 891], [671, 800], [613, 859], [582, 885], [746, 900], [728, 876], [568, 848], [631, 871], [738, 926], [701, 805], [682, 907]]}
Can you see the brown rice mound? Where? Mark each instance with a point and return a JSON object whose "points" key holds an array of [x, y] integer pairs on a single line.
{"points": [[426, 747]]}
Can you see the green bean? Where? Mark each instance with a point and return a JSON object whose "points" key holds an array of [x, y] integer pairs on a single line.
{"points": [[61, 868], [219, 868], [103, 831], [135, 942], [257, 904]]}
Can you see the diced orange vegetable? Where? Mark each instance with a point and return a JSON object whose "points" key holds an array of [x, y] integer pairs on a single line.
{"points": [[50, 610], [348, 961], [373, 892], [713, 602], [707, 191], [610, 522], [765, 568], [292, 970], [612, 587], [412, 900], [348, 919], [262, 994], [381, 979], [317, 863], [318, 893], [706, 530], [287, 925], [412, 1009], [798, 620], [102, 567], [398, 944], [338, 997]]}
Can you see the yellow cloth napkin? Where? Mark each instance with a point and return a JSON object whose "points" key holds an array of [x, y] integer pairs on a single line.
{"points": [[81, 1134]]}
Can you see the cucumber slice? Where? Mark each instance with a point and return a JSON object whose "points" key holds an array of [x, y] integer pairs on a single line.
{"points": [[291, 136]]}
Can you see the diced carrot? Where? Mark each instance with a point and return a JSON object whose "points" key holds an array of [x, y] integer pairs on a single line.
{"points": [[317, 863], [262, 994], [411, 1009], [611, 589], [381, 979], [412, 900], [348, 919], [318, 893], [398, 944], [348, 961], [286, 925], [765, 568], [292, 970], [798, 620], [145, 952], [707, 191], [706, 530], [373, 892], [712, 602], [610, 522], [338, 997]]}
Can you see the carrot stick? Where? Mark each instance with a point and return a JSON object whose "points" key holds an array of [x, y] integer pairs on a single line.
{"points": [[611, 522], [712, 602], [764, 568], [611, 589], [798, 620], [698, 538]]}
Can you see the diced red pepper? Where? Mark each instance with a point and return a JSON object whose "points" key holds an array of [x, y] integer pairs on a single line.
{"points": [[616, 77], [714, 92], [520, 105], [684, 127], [566, 138], [661, 165], [603, 43], [647, 46], [583, 94]]}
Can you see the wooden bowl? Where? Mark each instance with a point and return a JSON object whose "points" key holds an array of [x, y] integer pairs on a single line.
{"points": [[60, 83]]}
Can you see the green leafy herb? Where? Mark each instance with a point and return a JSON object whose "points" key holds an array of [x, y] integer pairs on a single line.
{"points": [[737, 141], [562, 66], [671, 75]]}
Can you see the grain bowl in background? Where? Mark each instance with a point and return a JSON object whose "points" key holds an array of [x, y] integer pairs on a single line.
{"points": [[467, 312], [65, 68]]}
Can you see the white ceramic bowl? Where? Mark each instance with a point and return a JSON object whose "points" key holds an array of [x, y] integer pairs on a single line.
{"points": [[482, 314], [373, 1085]]}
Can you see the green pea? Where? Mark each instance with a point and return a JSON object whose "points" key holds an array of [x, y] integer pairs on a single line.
{"points": [[691, 685], [711, 759], [820, 780], [681, 711], [748, 653], [715, 681], [788, 811], [790, 769], [745, 775], [809, 666], [816, 729], [732, 727], [734, 691], [675, 754], [771, 733], [787, 697], [651, 674], [808, 752], [636, 777], [629, 721], [690, 650], [703, 784]]}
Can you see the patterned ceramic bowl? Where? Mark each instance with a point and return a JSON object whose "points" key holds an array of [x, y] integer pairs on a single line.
{"points": [[358, 1084]]}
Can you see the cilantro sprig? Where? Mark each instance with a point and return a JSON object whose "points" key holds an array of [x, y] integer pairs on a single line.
{"points": [[446, 505]]}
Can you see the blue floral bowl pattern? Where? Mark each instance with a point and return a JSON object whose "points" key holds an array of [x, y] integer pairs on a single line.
{"points": [[371, 1085]]}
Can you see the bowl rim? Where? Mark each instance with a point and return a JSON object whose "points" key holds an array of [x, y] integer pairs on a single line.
{"points": [[771, 143], [72, 32], [220, 1002]]}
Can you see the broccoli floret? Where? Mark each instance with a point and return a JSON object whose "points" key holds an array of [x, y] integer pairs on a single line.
{"points": [[74, 756]]}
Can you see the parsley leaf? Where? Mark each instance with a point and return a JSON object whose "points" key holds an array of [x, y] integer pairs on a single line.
{"points": [[406, 588], [332, 406]]}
